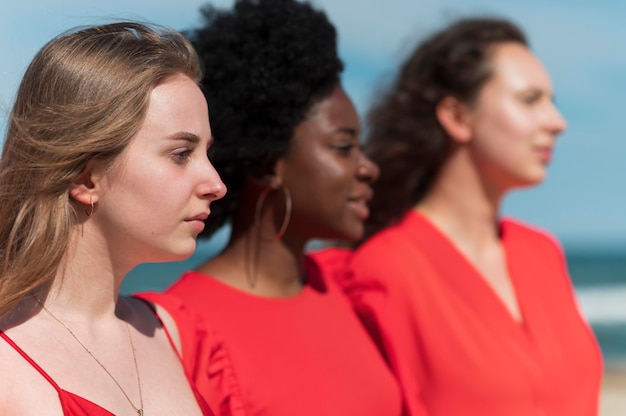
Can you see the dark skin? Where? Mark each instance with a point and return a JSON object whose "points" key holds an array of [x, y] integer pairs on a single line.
{"points": [[329, 180]]}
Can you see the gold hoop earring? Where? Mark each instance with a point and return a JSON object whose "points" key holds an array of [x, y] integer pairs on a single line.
{"points": [[255, 252], [90, 213], [259, 209]]}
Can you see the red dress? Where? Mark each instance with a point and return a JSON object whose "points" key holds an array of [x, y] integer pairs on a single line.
{"points": [[306, 355], [454, 346], [71, 404], [74, 405]]}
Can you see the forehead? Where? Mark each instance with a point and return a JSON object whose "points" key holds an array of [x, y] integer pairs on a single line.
{"points": [[515, 67], [332, 114], [337, 103]]}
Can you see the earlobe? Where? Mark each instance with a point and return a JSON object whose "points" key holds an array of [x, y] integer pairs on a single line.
{"points": [[453, 117], [84, 188], [274, 179], [268, 180]]}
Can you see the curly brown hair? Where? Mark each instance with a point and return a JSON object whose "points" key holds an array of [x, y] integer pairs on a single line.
{"points": [[405, 137]]}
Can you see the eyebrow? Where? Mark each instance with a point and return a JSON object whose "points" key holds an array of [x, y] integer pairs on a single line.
{"points": [[189, 137], [542, 91], [347, 130]]}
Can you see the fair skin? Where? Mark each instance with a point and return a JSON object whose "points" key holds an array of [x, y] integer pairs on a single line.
{"points": [[329, 180], [504, 141], [149, 206]]}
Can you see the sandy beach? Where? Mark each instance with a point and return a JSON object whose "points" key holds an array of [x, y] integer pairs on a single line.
{"points": [[613, 400]]}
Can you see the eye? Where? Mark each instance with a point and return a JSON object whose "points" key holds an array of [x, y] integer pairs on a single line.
{"points": [[531, 97], [181, 156], [345, 148]]}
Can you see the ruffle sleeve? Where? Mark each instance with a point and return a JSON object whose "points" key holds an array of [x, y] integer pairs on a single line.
{"points": [[369, 297], [204, 356]]}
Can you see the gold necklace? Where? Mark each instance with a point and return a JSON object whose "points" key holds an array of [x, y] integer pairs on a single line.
{"points": [[139, 410]]}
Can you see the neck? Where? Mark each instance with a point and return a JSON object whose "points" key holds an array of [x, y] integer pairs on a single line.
{"points": [[258, 258], [462, 204], [263, 267], [87, 283]]}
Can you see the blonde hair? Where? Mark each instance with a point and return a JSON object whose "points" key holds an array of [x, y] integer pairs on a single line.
{"points": [[84, 96]]}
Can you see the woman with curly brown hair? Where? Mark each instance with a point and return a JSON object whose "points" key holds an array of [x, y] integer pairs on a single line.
{"points": [[475, 311]]}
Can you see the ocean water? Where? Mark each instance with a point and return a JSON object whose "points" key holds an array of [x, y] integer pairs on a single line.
{"points": [[599, 280], [600, 284]]}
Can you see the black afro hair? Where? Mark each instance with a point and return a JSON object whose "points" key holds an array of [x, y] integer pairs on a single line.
{"points": [[266, 63]]}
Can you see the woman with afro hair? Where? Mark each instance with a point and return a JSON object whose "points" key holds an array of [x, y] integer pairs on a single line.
{"points": [[284, 340]]}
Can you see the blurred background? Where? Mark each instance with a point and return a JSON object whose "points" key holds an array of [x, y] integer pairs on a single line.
{"points": [[583, 46]]}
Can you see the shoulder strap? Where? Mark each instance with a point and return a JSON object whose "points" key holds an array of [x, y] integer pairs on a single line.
{"points": [[152, 307], [29, 360]]}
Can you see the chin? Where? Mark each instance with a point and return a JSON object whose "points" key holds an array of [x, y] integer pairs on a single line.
{"points": [[352, 235], [530, 179], [536, 179], [525, 184], [179, 253], [348, 231]]}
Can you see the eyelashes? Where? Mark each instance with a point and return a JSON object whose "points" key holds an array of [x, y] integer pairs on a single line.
{"points": [[345, 149], [181, 157], [531, 98]]}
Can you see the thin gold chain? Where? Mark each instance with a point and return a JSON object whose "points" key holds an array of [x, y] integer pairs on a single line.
{"points": [[139, 410]]}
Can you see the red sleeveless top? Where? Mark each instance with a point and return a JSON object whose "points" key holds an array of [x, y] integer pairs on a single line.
{"points": [[74, 405]]}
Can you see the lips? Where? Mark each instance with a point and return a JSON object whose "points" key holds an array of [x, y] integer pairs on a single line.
{"points": [[364, 197], [358, 204], [197, 221], [200, 217], [545, 153]]}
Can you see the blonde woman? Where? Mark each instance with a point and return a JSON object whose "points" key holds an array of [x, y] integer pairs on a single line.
{"points": [[104, 167]]}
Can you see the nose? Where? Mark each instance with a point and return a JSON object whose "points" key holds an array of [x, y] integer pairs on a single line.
{"points": [[368, 170], [556, 122], [210, 185]]}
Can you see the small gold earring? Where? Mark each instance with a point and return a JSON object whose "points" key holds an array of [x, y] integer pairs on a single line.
{"points": [[90, 213]]}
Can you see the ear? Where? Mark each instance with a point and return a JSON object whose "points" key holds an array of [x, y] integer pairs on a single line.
{"points": [[454, 117], [274, 178], [84, 189]]}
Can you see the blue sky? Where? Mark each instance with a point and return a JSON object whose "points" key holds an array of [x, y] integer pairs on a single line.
{"points": [[583, 45]]}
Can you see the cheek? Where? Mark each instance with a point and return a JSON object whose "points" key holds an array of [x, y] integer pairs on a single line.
{"points": [[320, 182], [312, 172], [153, 190], [335, 180], [318, 193], [504, 132]]}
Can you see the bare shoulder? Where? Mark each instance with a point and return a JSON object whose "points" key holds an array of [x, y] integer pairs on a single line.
{"points": [[23, 390], [8, 359], [170, 324], [155, 317]]}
